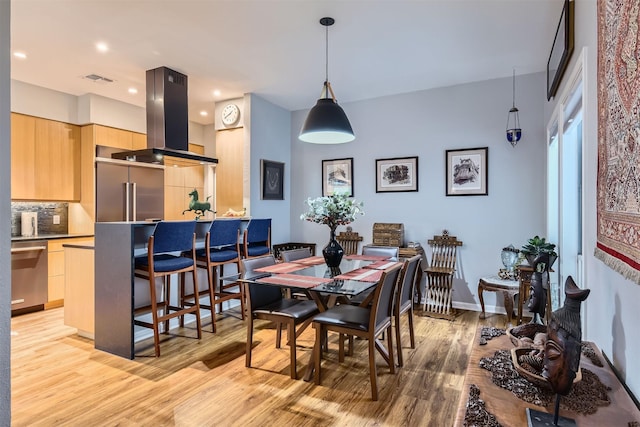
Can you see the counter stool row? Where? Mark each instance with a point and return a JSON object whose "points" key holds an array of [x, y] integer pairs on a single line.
{"points": [[171, 250]]}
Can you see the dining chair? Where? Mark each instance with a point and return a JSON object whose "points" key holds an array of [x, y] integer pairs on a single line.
{"points": [[168, 241], [267, 302], [364, 322], [439, 288], [349, 240], [294, 254], [221, 247], [257, 238], [391, 252], [410, 278]]}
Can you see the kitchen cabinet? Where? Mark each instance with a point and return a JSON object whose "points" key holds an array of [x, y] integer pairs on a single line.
{"points": [[45, 159], [56, 274], [118, 138], [230, 171], [179, 182], [78, 288]]}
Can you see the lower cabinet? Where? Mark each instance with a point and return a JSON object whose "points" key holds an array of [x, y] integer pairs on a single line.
{"points": [[56, 260], [79, 288]]}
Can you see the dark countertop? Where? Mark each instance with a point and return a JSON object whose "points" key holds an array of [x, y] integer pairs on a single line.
{"points": [[48, 237]]}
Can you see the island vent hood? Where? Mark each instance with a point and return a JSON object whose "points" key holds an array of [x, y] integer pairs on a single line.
{"points": [[167, 123]]}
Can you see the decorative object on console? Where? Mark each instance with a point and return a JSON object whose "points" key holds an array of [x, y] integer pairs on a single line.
{"points": [[397, 174], [333, 211], [327, 122], [337, 176], [467, 172], [514, 132], [537, 246], [618, 225], [539, 287], [272, 177], [509, 257], [198, 207]]}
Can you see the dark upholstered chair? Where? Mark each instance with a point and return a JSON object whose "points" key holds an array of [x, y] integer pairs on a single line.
{"points": [[169, 239], [410, 278], [257, 238], [281, 247], [266, 302], [221, 247], [391, 252], [364, 322]]}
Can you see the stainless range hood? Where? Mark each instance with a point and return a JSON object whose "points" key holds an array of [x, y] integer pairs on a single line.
{"points": [[167, 123]]}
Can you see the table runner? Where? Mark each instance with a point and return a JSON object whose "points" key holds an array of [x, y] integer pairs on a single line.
{"points": [[367, 257], [382, 265], [361, 275], [618, 204], [294, 280], [284, 267], [313, 260]]}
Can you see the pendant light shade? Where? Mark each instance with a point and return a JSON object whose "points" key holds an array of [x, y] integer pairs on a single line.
{"points": [[514, 132], [326, 122]]}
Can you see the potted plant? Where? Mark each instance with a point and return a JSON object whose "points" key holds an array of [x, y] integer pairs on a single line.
{"points": [[537, 246]]}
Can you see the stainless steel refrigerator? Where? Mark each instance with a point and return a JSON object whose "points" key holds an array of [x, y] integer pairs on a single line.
{"points": [[128, 191]]}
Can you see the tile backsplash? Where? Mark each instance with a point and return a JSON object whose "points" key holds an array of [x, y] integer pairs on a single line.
{"points": [[46, 211]]}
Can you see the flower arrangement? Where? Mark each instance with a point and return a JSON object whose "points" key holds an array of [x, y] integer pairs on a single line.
{"points": [[337, 209]]}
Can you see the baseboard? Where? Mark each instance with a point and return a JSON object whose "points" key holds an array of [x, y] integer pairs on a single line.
{"points": [[624, 384]]}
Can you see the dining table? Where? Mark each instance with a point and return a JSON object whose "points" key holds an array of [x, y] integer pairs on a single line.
{"points": [[325, 286]]}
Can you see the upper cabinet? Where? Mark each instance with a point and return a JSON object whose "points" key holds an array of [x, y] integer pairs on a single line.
{"points": [[118, 138], [45, 159]]}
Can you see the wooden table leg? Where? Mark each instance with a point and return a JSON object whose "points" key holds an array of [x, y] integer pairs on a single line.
{"points": [[480, 290]]}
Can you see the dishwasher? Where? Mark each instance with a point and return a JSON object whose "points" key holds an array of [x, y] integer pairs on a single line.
{"points": [[29, 276]]}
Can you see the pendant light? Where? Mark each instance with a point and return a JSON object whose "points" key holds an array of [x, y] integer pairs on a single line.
{"points": [[514, 132], [326, 122]]}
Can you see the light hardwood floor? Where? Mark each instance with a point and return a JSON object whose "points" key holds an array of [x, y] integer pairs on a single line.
{"points": [[58, 378]]}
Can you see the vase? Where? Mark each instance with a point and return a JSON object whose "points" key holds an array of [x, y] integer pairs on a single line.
{"points": [[333, 251]]}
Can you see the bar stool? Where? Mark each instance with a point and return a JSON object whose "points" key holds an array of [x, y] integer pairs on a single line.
{"points": [[257, 238], [167, 241]]}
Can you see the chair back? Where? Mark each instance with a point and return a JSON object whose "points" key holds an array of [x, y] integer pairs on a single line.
{"points": [[444, 251], [349, 240], [224, 232], [382, 302], [411, 273], [259, 295], [390, 252], [258, 230], [173, 236], [294, 254]]}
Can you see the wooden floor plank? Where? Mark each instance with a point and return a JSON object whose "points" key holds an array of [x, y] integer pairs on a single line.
{"points": [[58, 378]]}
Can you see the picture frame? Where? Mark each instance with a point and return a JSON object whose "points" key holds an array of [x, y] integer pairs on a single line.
{"points": [[337, 176], [272, 180], [467, 172], [561, 49], [398, 174]]}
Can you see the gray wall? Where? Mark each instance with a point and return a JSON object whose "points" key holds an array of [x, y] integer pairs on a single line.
{"points": [[425, 124], [5, 215], [611, 311]]}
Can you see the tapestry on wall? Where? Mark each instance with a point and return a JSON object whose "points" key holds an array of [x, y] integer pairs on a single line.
{"points": [[618, 204]]}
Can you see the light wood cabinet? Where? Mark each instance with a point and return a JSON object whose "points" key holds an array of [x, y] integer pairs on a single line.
{"points": [[56, 269], [45, 159], [79, 289], [230, 170]]}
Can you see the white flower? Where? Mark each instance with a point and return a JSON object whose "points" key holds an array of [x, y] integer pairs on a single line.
{"points": [[334, 210]]}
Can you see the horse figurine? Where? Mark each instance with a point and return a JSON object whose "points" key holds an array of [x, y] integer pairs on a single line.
{"points": [[198, 207]]}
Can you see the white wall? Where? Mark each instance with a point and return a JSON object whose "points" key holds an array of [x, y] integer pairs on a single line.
{"points": [[5, 218], [267, 127], [611, 312], [425, 124]]}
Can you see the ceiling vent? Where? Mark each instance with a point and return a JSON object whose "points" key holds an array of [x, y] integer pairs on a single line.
{"points": [[97, 78]]}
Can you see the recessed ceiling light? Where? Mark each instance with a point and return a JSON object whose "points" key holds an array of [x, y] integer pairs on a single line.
{"points": [[133, 90], [20, 55], [216, 92], [102, 47], [204, 113]]}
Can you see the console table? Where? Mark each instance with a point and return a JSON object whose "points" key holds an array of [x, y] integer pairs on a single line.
{"points": [[510, 410], [508, 288]]}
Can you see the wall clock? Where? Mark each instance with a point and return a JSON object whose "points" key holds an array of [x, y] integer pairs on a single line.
{"points": [[230, 114]]}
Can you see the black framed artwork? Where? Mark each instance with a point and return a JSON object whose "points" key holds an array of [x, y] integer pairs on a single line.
{"points": [[561, 49], [467, 172], [337, 176], [397, 174], [272, 177]]}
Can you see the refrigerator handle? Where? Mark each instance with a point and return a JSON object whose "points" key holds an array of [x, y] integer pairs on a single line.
{"points": [[127, 198], [135, 201]]}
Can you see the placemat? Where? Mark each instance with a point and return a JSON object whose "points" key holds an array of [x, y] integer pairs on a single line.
{"points": [[382, 265], [361, 275], [313, 260], [367, 257], [284, 267], [295, 280]]}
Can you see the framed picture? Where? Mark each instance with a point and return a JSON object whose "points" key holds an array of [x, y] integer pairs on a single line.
{"points": [[561, 49], [272, 177], [337, 176], [398, 174], [467, 172]]}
